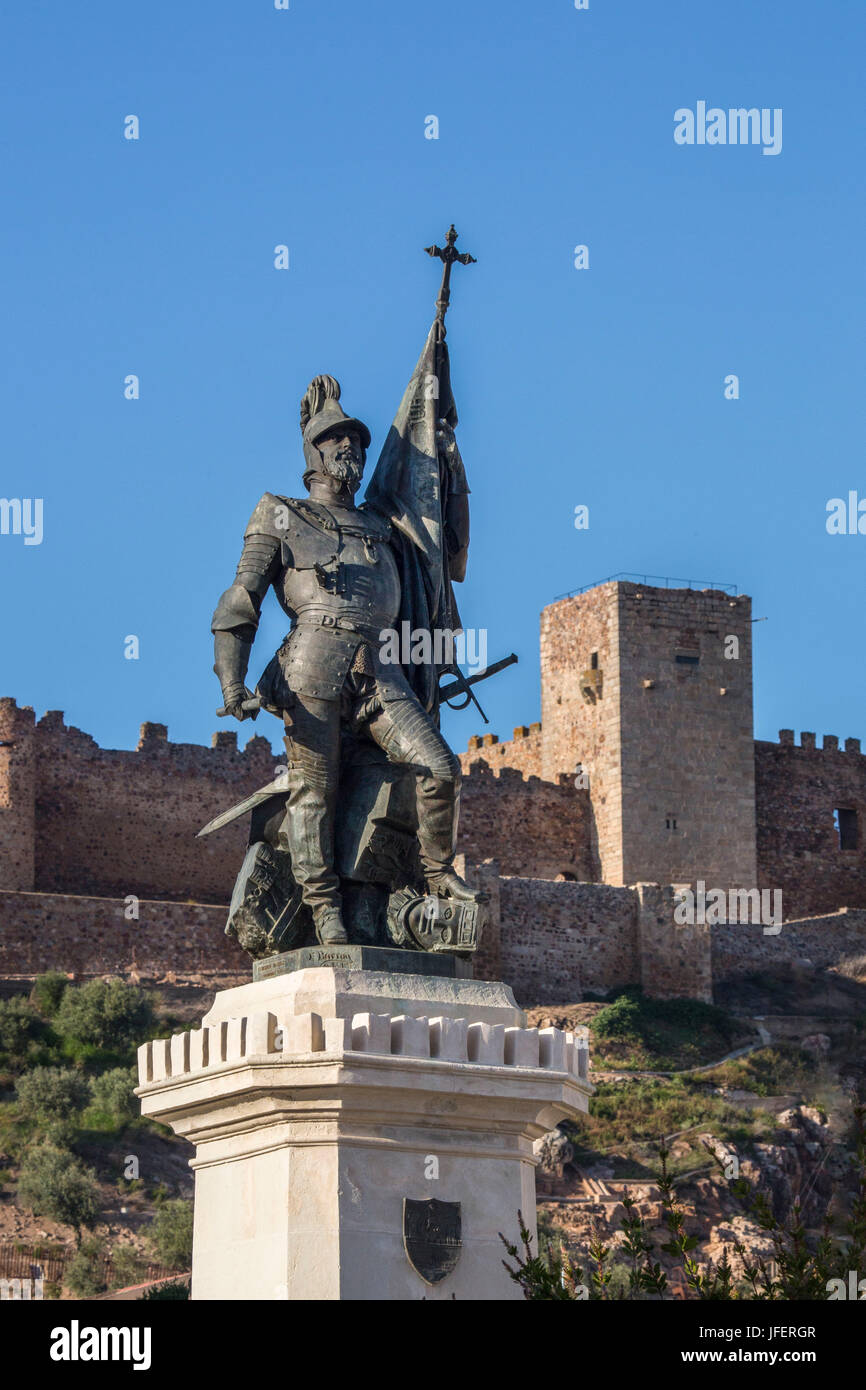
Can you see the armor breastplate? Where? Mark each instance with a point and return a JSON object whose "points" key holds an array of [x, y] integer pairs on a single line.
{"points": [[355, 579], [336, 558], [341, 587]]}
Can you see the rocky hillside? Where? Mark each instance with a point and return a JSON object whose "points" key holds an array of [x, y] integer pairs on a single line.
{"points": [[776, 1110]]}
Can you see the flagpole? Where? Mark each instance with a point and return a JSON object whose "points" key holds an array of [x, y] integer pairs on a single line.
{"points": [[449, 254]]}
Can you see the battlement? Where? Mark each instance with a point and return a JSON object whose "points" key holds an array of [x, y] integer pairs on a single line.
{"points": [[533, 827], [152, 738], [523, 731], [643, 768], [522, 752], [438, 1039], [811, 820], [830, 743], [76, 818], [79, 818]]}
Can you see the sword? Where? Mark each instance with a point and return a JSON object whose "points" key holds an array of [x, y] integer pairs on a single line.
{"points": [[462, 685], [249, 804]]}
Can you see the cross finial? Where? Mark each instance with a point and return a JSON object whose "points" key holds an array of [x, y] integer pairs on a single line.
{"points": [[448, 254]]}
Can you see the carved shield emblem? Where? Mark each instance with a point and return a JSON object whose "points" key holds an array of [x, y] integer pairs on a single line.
{"points": [[431, 1235]]}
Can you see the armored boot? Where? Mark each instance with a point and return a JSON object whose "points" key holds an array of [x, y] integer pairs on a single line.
{"points": [[438, 807], [307, 831], [329, 927]]}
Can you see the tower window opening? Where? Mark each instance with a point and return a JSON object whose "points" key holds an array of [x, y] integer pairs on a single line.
{"points": [[593, 661], [845, 825]]}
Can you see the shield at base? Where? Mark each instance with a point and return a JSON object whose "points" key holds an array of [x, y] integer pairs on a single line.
{"points": [[432, 1236]]}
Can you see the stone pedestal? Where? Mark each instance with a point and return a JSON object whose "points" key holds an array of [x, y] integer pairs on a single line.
{"points": [[318, 1101]]}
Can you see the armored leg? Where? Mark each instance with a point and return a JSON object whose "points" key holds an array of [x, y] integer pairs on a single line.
{"points": [[407, 735], [313, 746]]}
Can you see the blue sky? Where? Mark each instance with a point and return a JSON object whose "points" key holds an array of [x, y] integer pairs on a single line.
{"points": [[603, 387]]}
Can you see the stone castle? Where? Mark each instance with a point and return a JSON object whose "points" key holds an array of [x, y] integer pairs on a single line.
{"points": [[642, 775]]}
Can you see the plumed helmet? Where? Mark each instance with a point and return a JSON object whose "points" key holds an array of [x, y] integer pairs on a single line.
{"points": [[321, 412]]}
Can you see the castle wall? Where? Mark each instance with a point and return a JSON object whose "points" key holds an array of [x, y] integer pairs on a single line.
{"points": [[552, 942], [549, 940], [533, 828], [740, 949], [678, 791], [523, 752], [559, 941], [91, 936], [675, 959], [797, 789], [111, 822], [79, 819]]}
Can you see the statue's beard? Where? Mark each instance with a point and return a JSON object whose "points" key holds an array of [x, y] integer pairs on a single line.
{"points": [[346, 470]]}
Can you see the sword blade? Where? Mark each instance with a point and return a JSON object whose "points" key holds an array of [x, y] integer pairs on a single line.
{"points": [[249, 804], [462, 685]]}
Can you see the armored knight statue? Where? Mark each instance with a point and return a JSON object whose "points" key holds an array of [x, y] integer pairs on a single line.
{"points": [[355, 839]]}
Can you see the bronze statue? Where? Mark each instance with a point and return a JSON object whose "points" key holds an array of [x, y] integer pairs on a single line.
{"points": [[355, 841]]}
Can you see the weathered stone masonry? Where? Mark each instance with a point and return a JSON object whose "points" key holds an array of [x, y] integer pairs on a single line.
{"points": [[639, 699], [80, 819], [649, 692], [799, 792]]}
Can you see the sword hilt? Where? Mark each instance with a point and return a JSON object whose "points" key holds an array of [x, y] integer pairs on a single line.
{"points": [[250, 707]]}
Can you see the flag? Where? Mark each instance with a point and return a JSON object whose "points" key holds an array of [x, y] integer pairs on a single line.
{"points": [[410, 485]]}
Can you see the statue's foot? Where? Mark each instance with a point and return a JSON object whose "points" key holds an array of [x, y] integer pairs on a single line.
{"points": [[446, 883], [330, 930]]}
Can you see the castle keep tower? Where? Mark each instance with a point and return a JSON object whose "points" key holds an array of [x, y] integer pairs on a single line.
{"points": [[17, 797], [649, 691]]}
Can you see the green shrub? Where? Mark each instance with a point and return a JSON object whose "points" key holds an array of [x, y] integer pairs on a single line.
{"points": [[171, 1233], [104, 1014], [622, 1019], [127, 1267], [19, 1025], [769, 1071], [112, 1094], [48, 991], [56, 1184], [52, 1093], [632, 1015], [83, 1275], [666, 1034]]}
